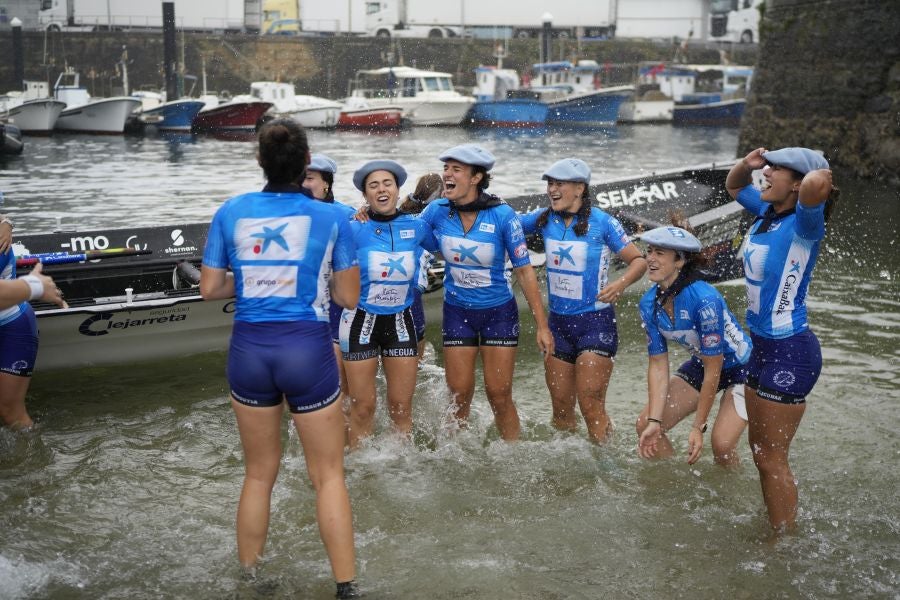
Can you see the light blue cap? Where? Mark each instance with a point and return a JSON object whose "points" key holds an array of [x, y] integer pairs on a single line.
{"points": [[322, 163], [359, 177], [469, 154], [802, 160], [674, 238], [569, 169]]}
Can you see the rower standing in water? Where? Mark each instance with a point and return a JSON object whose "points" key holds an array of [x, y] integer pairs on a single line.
{"points": [[579, 241], [476, 232], [791, 212], [279, 243]]}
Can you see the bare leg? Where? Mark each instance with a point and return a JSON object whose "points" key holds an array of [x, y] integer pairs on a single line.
{"points": [[260, 430], [361, 378], [592, 379], [459, 369], [772, 427], [726, 432], [12, 401], [681, 402], [400, 373], [560, 377], [499, 362], [322, 435]]}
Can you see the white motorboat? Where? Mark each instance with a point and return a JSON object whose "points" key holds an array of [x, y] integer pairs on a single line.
{"points": [[426, 97], [84, 114], [311, 112], [31, 110]]}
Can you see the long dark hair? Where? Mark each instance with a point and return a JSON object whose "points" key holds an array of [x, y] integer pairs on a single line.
{"points": [[428, 187], [582, 216], [283, 151]]}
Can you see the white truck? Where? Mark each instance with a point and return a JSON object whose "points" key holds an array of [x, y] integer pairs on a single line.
{"points": [[199, 15], [496, 19], [734, 20]]}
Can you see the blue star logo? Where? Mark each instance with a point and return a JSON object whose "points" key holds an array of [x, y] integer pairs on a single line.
{"points": [[682, 339], [795, 266], [466, 253], [394, 263], [747, 254], [564, 253], [270, 235]]}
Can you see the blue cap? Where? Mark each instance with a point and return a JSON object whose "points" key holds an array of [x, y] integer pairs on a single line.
{"points": [[674, 238], [802, 160], [569, 169], [359, 177], [322, 163], [469, 154]]}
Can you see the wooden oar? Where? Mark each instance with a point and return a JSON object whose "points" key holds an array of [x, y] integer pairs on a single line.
{"points": [[59, 258]]}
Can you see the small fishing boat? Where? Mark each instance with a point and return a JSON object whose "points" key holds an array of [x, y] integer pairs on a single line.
{"points": [[710, 94], [84, 114], [177, 115], [574, 96], [312, 112], [31, 109], [499, 101], [359, 114], [241, 113]]}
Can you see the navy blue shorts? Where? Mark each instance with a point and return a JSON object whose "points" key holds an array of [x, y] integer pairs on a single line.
{"points": [[367, 335], [334, 320], [269, 362], [493, 326], [692, 372], [418, 314], [19, 344], [593, 331], [784, 370]]}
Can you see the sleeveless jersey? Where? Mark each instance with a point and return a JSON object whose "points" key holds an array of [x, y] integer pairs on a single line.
{"points": [[390, 258], [779, 257], [475, 260], [280, 247], [577, 266], [703, 324]]}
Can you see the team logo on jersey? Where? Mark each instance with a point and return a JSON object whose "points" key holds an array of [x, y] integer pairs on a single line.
{"points": [[795, 266], [407, 234], [274, 238], [683, 314], [274, 281], [563, 254], [521, 251], [755, 260], [391, 266], [711, 340], [784, 379], [568, 256], [466, 252], [487, 227]]}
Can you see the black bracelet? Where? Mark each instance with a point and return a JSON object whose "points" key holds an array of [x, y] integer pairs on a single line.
{"points": [[652, 420]]}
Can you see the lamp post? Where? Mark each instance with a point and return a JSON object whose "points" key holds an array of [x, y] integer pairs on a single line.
{"points": [[546, 35], [18, 53]]}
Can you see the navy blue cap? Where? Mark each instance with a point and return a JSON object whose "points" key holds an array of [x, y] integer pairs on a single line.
{"points": [[569, 169], [359, 177], [469, 154], [802, 160], [322, 163], [674, 238]]}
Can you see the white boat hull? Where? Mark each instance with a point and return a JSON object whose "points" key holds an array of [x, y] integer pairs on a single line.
{"points": [[420, 112], [320, 117], [119, 333], [36, 117], [106, 116]]}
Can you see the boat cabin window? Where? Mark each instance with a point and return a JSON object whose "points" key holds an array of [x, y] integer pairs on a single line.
{"points": [[431, 84]]}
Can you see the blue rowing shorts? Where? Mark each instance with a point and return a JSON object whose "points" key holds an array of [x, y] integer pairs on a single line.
{"points": [[19, 344], [294, 360], [785, 370], [692, 372], [494, 326], [593, 331], [418, 314]]}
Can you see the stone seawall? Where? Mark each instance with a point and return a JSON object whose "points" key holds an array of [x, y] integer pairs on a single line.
{"points": [[828, 77]]}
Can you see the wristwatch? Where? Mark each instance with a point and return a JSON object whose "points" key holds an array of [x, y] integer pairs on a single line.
{"points": [[701, 429]]}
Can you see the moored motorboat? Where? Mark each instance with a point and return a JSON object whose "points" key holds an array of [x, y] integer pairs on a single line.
{"points": [[238, 114], [358, 114], [574, 96], [84, 114], [177, 115], [312, 112], [499, 101], [34, 117]]}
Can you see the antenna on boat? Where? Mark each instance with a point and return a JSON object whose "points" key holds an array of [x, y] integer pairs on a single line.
{"points": [[500, 53]]}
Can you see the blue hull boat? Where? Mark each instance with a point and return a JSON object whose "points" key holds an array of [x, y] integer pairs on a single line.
{"points": [[176, 115], [599, 108], [509, 113], [715, 112]]}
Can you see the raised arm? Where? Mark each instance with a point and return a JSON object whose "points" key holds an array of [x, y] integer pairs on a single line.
{"points": [[815, 188], [739, 176]]}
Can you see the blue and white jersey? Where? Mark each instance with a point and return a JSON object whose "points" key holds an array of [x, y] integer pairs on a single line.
{"points": [[475, 260], [8, 271], [280, 247], [703, 324], [390, 259], [778, 264], [577, 267]]}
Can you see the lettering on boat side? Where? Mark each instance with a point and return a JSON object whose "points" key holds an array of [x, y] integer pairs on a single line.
{"points": [[105, 322], [638, 194]]}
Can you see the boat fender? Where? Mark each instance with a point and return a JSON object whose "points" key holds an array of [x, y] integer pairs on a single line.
{"points": [[185, 275]]}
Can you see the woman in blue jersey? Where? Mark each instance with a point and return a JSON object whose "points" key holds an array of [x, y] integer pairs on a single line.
{"points": [[579, 241], [476, 232], [319, 181], [684, 309], [779, 256], [19, 335], [279, 243], [389, 246]]}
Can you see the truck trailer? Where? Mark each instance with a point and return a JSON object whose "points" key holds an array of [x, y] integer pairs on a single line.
{"points": [[196, 15], [498, 19]]}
